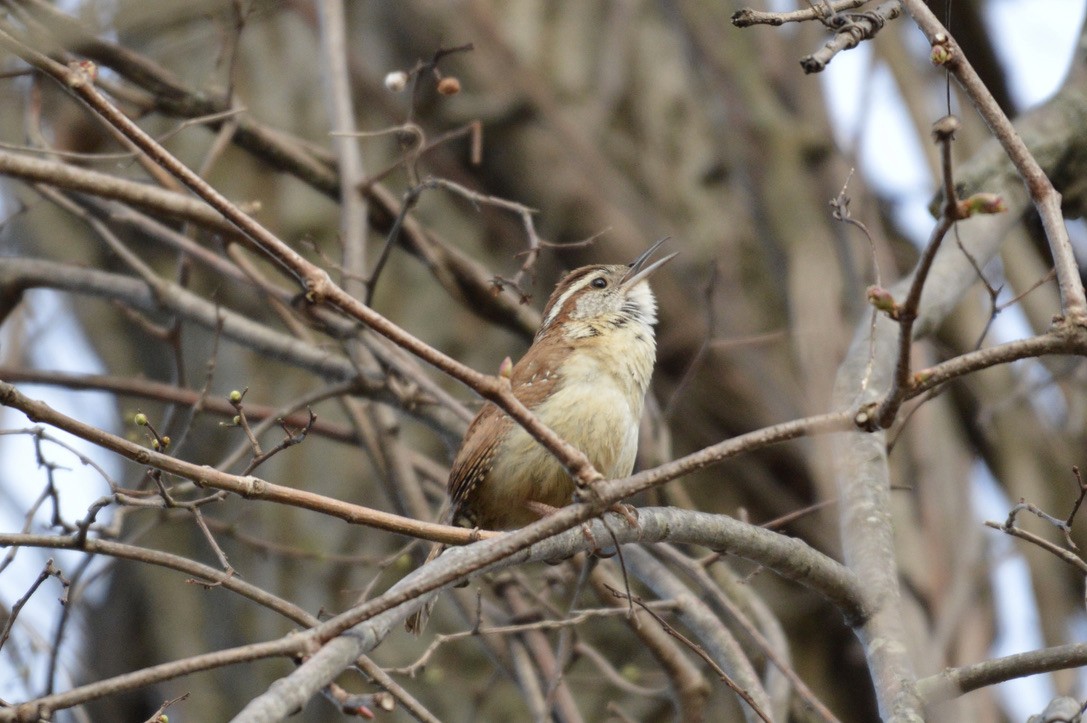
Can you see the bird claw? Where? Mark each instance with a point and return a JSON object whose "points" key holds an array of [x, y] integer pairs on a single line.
{"points": [[627, 512], [587, 532]]}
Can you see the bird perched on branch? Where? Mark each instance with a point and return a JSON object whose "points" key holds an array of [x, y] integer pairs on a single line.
{"points": [[585, 377]]}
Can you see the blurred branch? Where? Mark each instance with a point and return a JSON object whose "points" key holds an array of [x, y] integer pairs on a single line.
{"points": [[43, 707], [195, 570], [955, 682], [462, 277], [353, 212], [148, 556], [716, 646], [22, 273], [691, 690], [559, 699], [776, 657], [715, 641], [142, 195]]}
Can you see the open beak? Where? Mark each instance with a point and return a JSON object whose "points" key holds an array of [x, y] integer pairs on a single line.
{"points": [[637, 273]]}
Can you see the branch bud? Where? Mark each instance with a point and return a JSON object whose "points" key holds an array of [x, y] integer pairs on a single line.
{"points": [[942, 53], [83, 72], [880, 298], [921, 377], [449, 85], [505, 369], [981, 203], [944, 129]]}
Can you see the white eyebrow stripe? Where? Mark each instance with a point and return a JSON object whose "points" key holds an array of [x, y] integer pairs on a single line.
{"points": [[561, 301]]}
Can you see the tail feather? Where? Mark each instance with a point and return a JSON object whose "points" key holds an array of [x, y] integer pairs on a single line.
{"points": [[417, 621]]}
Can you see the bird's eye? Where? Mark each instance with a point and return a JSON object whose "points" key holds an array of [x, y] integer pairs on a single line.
{"points": [[599, 283]]}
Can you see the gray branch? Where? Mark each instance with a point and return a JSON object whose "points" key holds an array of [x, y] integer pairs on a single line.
{"points": [[786, 556]]}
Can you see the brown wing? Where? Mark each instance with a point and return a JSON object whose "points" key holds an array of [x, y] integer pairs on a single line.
{"points": [[532, 380], [474, 458]]}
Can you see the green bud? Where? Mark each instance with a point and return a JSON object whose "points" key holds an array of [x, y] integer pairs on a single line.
{"points": [[981, 203], [880, 298]]}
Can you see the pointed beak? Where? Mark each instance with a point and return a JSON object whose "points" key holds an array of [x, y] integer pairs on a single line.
{"points": [[638, 273]]}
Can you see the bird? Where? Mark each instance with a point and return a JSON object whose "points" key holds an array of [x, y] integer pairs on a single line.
{"points": [[585, 376]]}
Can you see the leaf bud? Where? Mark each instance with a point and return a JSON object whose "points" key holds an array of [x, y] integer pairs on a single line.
{"points": [[449, 85]]}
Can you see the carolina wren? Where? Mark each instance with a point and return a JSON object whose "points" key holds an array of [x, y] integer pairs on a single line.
{"points": [[585, 376]]}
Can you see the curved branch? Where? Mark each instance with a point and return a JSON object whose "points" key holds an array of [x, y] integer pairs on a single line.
{"points": [[160, 391], [103, 185], [330, 655], [789, 557], [197, 570]]}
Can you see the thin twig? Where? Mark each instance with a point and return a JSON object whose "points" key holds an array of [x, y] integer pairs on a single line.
{"points": [[1059, 552], [1045, 197], [906, 313], [47, 572], [700, 652]]}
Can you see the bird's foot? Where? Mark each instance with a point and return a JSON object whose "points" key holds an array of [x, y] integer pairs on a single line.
{"points": [[587, 532], [627, 512]]}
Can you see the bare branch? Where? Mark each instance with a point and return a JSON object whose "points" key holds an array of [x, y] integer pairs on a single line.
{"points": [[1045, 197]]}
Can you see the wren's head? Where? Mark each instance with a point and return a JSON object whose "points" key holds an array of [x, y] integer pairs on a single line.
{"points": [[594, 299]]}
